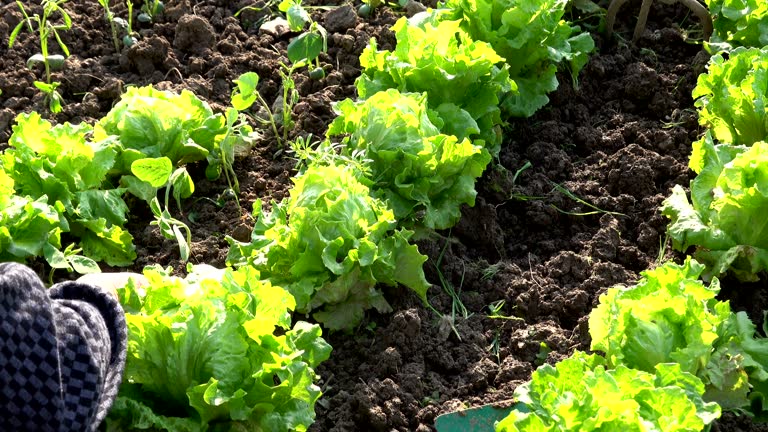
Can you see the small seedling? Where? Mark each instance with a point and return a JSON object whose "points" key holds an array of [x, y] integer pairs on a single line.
{"points": [[245, 94], [69, 259], [495, 312], [45, 29], [112, 24], [155, 173], [150, 10], [541, 357], [305, 49], [447, 322]]}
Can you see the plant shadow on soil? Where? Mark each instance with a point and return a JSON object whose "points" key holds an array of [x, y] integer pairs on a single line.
{"points": [[619, 142]]}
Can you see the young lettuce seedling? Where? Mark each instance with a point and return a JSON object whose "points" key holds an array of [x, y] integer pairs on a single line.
{"points": [[45, 29]]}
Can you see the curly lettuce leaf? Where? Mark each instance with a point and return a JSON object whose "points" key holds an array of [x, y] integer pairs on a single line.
{"points": [[725, 218], [533, 38], [738, 23], [59, 165], [672, 316], [329, 244], [581, 394], [732, 96], [216, 350], [424, 175], [27, 226], [159, 123], [463, 78], [668, 316]]}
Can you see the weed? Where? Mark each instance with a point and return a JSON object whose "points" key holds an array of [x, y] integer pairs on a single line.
{"points": [[69, 259], [290, 98], [490, 271], [495, 311], [571, 195], [448, 322], [495, 347], [662, 248]]}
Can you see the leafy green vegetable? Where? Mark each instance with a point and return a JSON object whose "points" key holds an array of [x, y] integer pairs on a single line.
{"points": [[463, 78], [668, 316], [216, 350], [733, 96], [671, 316], [28, 227], [581, 394], [725, 218], [533, 38], [155, 123], [329, 244], [421, 173], [59, 167], [738, 23]]}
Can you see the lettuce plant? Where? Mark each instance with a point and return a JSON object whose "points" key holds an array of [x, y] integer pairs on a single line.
{"points": [[155, 123], [581, 393], [59, 167], [330, 243], [672, 316], [733, 96], [464, 79], [216, 351], [533, 38], [738, 23], [725, 217], [424, 175]]}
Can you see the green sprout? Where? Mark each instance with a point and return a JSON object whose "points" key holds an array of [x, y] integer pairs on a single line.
{"points": [[111, 21], [45, 29], [305, 49], [150, 10], [157, 173]]}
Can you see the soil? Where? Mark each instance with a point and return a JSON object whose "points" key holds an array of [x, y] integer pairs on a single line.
{"points": [[569, 209]]}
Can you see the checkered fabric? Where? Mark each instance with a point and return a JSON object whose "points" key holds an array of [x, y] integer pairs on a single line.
{"points": [[62, 353]]}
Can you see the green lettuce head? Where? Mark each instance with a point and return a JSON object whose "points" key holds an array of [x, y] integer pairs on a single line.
{"points": [[330, 243], [424, 175], [216, 350], [725, 218]]}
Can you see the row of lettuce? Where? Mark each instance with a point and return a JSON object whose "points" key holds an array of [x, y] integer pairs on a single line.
{"points": [[675, 357], [217, 349]]}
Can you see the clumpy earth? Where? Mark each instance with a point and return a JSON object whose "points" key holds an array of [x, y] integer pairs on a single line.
{"points": [[569, 209]]}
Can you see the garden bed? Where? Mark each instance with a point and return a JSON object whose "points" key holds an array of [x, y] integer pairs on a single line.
{"points": [[617, 144]]}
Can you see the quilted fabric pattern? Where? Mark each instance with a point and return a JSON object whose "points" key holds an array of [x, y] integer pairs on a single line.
{"points": [[62, 353]]}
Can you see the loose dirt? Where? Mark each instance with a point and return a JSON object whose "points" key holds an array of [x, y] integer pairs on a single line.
{"points": [[569, 209]]}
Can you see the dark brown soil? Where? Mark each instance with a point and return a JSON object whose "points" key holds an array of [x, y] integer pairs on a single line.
{"points": [[616, 145]]}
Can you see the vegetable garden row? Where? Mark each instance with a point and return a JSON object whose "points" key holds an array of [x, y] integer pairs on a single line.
{"points": [[228, 349]]}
